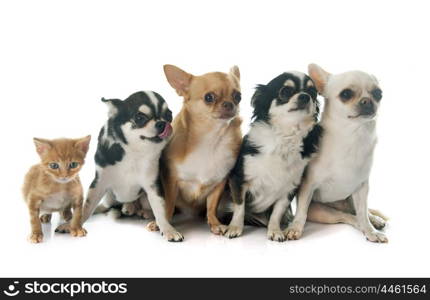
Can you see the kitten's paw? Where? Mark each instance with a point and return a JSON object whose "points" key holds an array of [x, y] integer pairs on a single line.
{"points": [[63, 228], [276, 235], [152, 226], [78, 232], [294, 232], [376, 237], [377, 222], [46, 218], [218, 229], [233, 231], [172, 235], [36, 237]]}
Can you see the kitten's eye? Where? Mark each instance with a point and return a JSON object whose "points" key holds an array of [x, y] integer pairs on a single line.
{"points": [[54, 166], [286, 92], [237, 96], [209, 98], [140, 118], [377, 94], [73, 165], [346, 94]]}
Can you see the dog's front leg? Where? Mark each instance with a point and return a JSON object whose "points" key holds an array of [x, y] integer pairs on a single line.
{"points": [[304, 197], [158, 206], [235, 228], [212, 207], [274, 231], [359, 199], [94, 195]]}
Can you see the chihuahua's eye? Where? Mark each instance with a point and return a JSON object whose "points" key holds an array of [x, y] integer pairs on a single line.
{"points": [[73, 165], [209, 98], [377, 94], [140, 118], [168, 116], [312, 92], [286, 92], [54, 166], [237, 96], [346, 94]]}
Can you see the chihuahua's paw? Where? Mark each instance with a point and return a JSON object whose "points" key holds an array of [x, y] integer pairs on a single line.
{"points": [[145, 214], [377, 222], [294, 232], [63, 228], [152, 226], [218, 229], [36, 237], [172, 235], [45, 218], [78, 232], [276, 235], [233, 231], [376, 237]]}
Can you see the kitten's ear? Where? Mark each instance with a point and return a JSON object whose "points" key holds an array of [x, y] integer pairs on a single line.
{"points": [[235, 72], [42, 146], [319, 76], [178, 79], [83, 144], [113, 106]]}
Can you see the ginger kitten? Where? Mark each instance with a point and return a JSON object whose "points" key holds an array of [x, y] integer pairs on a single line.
{"points": [[53, 185]]}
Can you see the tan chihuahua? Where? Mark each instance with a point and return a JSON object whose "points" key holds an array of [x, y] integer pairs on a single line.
{"points": [[205, 143]]}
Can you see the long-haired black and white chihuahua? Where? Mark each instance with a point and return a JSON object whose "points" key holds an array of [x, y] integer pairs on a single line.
{"points": [[283, 137], [127, 157], [336, 184]]}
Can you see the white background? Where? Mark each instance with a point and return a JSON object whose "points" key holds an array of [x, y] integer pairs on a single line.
{"points": [[58, 58]]}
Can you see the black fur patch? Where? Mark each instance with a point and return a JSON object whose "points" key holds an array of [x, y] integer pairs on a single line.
{"points": [[95, 180], [108, 154], [311, 141], [236, 178]]}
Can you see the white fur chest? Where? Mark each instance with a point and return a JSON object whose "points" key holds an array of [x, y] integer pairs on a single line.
{"points": [[56, 202], [206, 166], [277, 170], [125, 178], [345, 163]]}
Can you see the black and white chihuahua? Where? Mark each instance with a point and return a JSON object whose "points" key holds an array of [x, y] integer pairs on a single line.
{"points": [[283, 137], [127, 157], [336, 184]]}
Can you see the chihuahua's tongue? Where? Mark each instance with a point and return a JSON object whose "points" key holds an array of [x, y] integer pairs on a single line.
{"points": [[166, 132]]}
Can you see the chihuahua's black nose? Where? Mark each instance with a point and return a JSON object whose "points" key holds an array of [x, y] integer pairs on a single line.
{"points": [[303, 100], [160, 125], [366, 106], [228, 106]]}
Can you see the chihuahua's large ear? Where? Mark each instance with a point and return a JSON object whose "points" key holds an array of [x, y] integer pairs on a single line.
{"points": [[261, 102], [42, 146], [319, 76], [178, 79], [113, 106], [235, 72], [83, 144]]}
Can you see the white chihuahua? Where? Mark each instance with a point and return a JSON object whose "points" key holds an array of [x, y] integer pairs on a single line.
{"points": [[339, 174]]}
